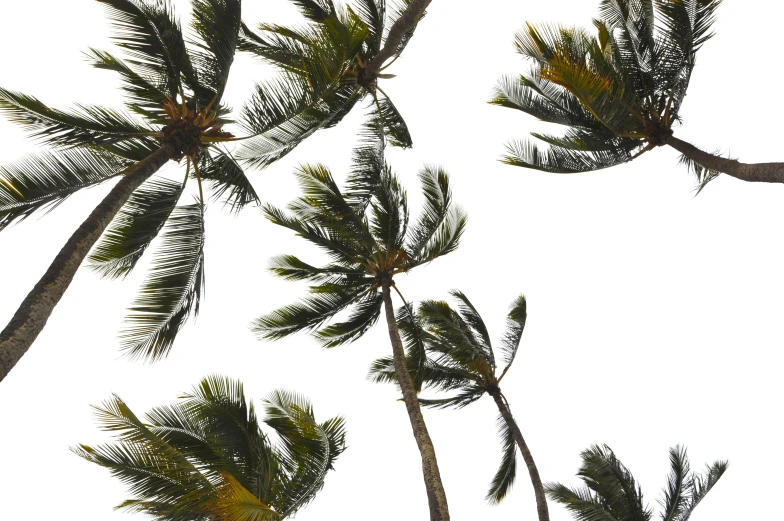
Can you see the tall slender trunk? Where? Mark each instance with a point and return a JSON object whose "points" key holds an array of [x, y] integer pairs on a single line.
{"points": [[436, 497], [753, 172], [407, 21], [31, 317], [541, 502]]}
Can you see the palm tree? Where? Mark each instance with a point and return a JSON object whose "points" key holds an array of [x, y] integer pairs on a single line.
{"points": [[173, 95], [327, 67], [366, 233], [205, 457], [612, 493], [619, 91], [463, 360]]}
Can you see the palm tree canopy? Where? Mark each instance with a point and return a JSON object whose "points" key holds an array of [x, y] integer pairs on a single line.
{"points": [[611, 492], [206, 457], [365, 231], [619, 91], [325, 71], [449, 350], [173, 84]]}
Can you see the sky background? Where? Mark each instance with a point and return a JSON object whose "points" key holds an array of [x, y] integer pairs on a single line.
{"points": [[654, 317]]}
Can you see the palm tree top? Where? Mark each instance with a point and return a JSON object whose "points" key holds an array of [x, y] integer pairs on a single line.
{"points": [[611, 492], [206, 456], [365, 231], [461, 356], [327, 66], [619, 91]]}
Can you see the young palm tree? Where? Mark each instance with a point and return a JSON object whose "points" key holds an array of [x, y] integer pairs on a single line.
{"points": [[463, 360], [366, 233], [619, 92], [174, 92], [612, 493], [327, 66], [205, 457]]}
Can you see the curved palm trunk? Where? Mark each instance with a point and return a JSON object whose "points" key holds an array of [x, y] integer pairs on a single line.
{"points": [[541, 503], [31, 317], [407, 21], [752, 172], [436, 497]]}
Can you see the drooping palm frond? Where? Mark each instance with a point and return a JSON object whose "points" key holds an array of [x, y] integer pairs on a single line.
{"points": [[228, 181], [507, 470], [86, 126], [702, 174], [173, 289], [42, 181], [134, 227], [515, 323], [206, 456], [563, 160]]}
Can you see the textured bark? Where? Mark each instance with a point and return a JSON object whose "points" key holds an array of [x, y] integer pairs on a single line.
{"points": [[436, 497], [407, 21], [30, 319], [752, 172], [541, 501]]}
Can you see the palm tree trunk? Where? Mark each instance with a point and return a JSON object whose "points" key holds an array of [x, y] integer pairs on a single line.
{"points": [[541, 503], [436, 497], [31, 317], [407, 21], [752, 172]]}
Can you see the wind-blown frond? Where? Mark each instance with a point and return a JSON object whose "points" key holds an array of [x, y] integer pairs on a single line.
{"points": [[85, 126], [467, 396], [228, 181], [703, 175], [363, 316], [562, 160], [395, 128], [134, 227], [515, 323], [37, 182], [505, 476], [173, 289]]}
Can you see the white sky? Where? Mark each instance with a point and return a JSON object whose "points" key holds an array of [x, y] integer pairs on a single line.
{"points": [[654, 316]]}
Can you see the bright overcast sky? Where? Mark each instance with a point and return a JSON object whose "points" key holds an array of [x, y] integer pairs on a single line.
{"points": [[655, 317]]}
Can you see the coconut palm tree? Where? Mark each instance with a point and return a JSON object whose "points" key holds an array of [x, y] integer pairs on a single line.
{"points": [[174, 112], [327, 66], [365, 231], [610, 491], [462, 359], [619, 91], [205, 457]]}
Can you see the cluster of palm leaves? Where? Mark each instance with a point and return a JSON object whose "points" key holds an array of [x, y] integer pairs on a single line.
{"points": [[205, 457]]}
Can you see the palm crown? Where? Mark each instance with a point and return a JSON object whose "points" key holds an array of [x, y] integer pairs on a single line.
{"points": [[611, 491], [206, 457], [173, 87], [619, 91], [366, 233], [461, 359], [328, 66]]}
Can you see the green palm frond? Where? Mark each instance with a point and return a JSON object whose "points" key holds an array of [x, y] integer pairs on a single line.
{"points": [[388, 212], [703, 175], [580, 502], [42, 181], [563, 160], [206, 457], [85, 126], [217, 22], [505, 475], [363, 316], [173, 289], [678, 481], [373, 14], [316, 10], [395, 128], [515, 323], [452, 337], [701, 485], [609, 479], [467, 396], [471, 317], [152, 38], [228, 181], [134, 227]]}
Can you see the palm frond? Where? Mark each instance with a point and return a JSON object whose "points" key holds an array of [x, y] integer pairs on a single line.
{"points": [[395, 128], [152, 38], [373, 14], [86, 126], [703, 175], [583, 505], [469, 395], [363, 316], [562, 160], [471, 317], [42, 181], [316, 10], [236, 503], [388, 219], [217, 22], [701, 485], [134, 227], [173, 289], [515, 323], [228, 181], [678, 483], [505, 476]]}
